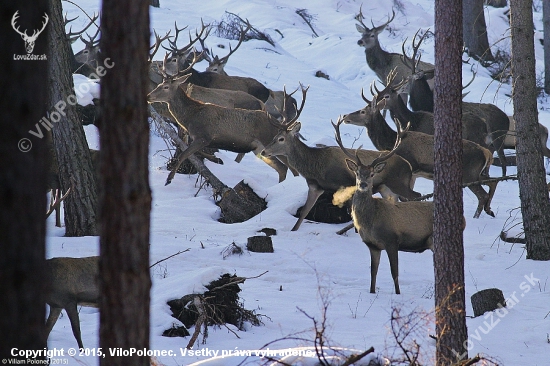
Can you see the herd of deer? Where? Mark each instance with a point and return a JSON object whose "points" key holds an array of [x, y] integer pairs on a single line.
{"points": [[241, 115]]}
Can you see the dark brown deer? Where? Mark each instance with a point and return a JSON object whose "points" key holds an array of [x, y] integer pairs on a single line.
{"points": [[273, 104], [418, 149], [72, 282], [473, 128], [382, 224], [210, 125], [380, 61], [324, 168], [421, 99]]}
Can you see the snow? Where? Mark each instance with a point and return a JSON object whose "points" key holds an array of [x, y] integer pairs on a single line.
{"points": [[314, 268]]}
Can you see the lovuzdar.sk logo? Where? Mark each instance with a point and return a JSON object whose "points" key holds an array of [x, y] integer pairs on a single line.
{"points": [[29, 40]]}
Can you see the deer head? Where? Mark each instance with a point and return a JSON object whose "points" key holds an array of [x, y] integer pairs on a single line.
{"points": [[29, 40], [171, 82], [217, 64], [369, 38], [89, 55]]}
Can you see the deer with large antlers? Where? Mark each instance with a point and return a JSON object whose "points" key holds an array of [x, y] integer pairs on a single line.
{"points": [[473, 128], [380, 61], [324, 168], [29, 40], [217, 64], [210, 125], [421, 100], [418, 149], [179, 59], [382, 224]]}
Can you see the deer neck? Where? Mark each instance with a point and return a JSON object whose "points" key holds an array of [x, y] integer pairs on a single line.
{"points": [[381, 135], [377, 59], [421, 96], [180, 105], [302, 157], [363, 208], [401, 112]]}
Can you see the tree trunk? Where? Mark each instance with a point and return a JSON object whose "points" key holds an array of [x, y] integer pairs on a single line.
{"points": [[126, 197], [546, 29], [475, 31], [535, 207], [23, 168], [448, 206], [72, 152]]}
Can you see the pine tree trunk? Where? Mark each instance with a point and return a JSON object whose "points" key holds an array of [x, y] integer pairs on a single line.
{"points": [[72, 152], [448, 206], [126, 198], [23, 100], [535, 207], [546, 29], [475, 30]]}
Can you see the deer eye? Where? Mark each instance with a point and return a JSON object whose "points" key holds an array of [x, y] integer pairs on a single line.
{"points": [[85, 51], [281, 139], [363, 111], [166, 87]]}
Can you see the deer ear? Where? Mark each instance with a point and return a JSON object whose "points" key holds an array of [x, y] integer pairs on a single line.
{"points": [[352, 165], [182, 79], [379, 167], [360, 28], [296, 128]]}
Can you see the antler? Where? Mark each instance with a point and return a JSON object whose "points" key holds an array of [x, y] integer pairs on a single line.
{"points": [[182, 51], [380, 27], [92, 42], [290, 124], [336, 126], [471, 81], [158, 40], [232, 51], [360, 16], [412, 62], [365, 98], [73, 36]]}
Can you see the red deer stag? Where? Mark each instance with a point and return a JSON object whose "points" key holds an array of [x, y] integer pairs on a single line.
{"points": [[324, 168]]}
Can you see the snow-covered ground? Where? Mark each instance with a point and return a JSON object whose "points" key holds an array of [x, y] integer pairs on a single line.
{"points": [[313, 268]]}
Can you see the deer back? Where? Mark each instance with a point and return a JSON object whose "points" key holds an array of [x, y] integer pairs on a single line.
{"points": [[72, 280]]}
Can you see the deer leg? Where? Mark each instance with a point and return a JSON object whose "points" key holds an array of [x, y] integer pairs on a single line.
{"points": [[487, 207], [196, 145], [313, 194], [374, 262], [239, 157], [502, 158], [72, 312], [394, 267], [482, 198], [52, 319]]}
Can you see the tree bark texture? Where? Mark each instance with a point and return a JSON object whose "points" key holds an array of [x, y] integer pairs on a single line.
{"points": [[72, 152], [126, 196], [23, 167], [448, 205], [535, 207], [475, 30], [546, 30]]}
